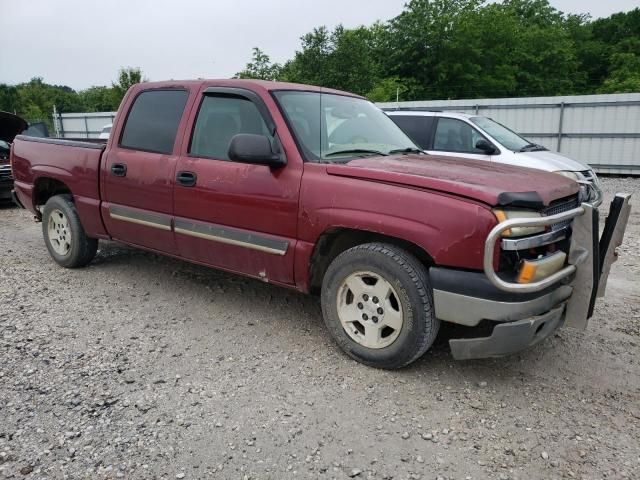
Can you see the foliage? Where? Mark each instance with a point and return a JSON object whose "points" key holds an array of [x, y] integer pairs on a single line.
{"points": [[387, 90], [624, 75], [35, 99], [470, 49], [433, 49], [260, 67], [127, 77]]}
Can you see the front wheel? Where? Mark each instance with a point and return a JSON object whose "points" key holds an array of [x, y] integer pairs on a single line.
{"points": [[377, 304], [64, 236]]}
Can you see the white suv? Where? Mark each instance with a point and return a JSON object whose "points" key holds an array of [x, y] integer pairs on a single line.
{"points": [[481, 138]]}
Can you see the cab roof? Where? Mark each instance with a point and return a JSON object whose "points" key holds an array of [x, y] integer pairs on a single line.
{"points": [[255, 85]]}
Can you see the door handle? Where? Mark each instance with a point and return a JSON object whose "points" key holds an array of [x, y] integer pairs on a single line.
{"points": [[119, 170], [186, 179]]}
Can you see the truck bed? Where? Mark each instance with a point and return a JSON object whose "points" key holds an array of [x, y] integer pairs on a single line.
{"points": [[97, 143], [73, 163]]}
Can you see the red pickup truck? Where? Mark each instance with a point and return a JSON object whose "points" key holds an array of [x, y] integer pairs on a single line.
{"points": [[318, 190]]}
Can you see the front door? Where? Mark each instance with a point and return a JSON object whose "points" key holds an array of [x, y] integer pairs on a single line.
{"points": [[138, 171], [455, 138], [236, 216]]}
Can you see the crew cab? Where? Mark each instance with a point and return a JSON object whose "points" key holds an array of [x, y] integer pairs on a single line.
{"points": [[482, 138], [319, 191]]}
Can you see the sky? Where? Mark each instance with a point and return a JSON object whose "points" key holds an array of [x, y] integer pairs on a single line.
{"points": [[81, 43]]}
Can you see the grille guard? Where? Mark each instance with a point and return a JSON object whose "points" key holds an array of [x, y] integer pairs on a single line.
{"points": [[589, 259], [495, 234]]}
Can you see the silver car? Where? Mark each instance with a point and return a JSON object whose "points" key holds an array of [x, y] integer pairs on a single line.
{"points": [[481, 138]]}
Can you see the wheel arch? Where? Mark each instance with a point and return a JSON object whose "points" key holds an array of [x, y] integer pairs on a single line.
{"points": [[332, 242], [46, 187]]}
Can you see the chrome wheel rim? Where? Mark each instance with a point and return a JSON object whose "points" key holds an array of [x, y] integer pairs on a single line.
{"points": [[370, 310], [59, 232]]}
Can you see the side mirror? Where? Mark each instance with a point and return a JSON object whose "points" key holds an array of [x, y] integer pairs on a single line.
{"points": [[257, 149], [486, 147]]}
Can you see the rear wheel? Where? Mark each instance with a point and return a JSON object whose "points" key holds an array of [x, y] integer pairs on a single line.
{"points": [[64, 236], [377, 304]]}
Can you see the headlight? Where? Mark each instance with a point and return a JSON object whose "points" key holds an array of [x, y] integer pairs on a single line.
{"points": [[503, 215], [584, 182], [572, 175]]}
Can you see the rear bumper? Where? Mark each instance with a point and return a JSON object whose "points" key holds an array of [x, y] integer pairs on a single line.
{"points": [[529, 313]]}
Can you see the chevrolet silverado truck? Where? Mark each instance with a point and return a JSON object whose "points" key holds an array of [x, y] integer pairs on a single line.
{"points": [[319, 191]]}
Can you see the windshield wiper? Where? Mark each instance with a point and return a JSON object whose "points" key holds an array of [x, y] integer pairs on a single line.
{"points": [[532, 147], [407, 150], [357, 151]]}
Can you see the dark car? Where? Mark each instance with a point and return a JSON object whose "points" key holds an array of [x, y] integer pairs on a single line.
{"points": [[10, 126]]}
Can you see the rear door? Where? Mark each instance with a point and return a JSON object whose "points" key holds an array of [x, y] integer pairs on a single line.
{"points": [[418, 127], [236, 216], [456, 138], [138, 170]]}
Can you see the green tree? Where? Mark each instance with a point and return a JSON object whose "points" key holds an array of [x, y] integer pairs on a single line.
{"points": [[37, 98], [127, 77], [387, 90], [310, 65], [419, 46], [9, 99], [100, 99], [344, 59], [260, 67], [599, 42], [625, 74]]}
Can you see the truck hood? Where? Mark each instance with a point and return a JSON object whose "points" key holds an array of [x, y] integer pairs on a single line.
{"points": [[549, 161], [10, 126], [486, 182]]}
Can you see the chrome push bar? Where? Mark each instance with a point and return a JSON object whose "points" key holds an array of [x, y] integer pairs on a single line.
{"points": [[586, 249], [495, 235]]}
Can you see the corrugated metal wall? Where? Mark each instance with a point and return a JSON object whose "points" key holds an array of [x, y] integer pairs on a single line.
{"points": [[601, 130]]}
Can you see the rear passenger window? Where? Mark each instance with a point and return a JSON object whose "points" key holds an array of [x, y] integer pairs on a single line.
{"points": [[221, 118], [152, 123], [418, 127]]}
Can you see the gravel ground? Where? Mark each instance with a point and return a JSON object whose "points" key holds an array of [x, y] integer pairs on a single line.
{"points": [[141, 366]]}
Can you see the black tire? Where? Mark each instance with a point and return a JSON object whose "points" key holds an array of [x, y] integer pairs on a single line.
{"points": [[410, 280], [82, 248]]}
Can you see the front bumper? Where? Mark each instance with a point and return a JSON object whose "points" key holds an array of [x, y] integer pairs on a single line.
{"points": [[528, 313], [508, 338]]}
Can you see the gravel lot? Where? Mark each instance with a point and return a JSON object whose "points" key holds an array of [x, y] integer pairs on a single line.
{"points": [[141, 366]]}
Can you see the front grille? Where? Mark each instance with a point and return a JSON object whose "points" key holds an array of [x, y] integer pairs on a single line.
{"points": [[5, 172], [559, 206]]}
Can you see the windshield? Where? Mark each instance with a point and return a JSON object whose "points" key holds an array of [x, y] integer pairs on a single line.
{"points": [[502, 134], [337, 128]]}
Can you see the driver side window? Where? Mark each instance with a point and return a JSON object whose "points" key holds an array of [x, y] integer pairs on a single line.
{"points": [[221, 118], [453, 135]]}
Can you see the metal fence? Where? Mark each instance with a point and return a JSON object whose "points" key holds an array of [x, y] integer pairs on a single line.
{"points": [[601, 130], [81, 125]]}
